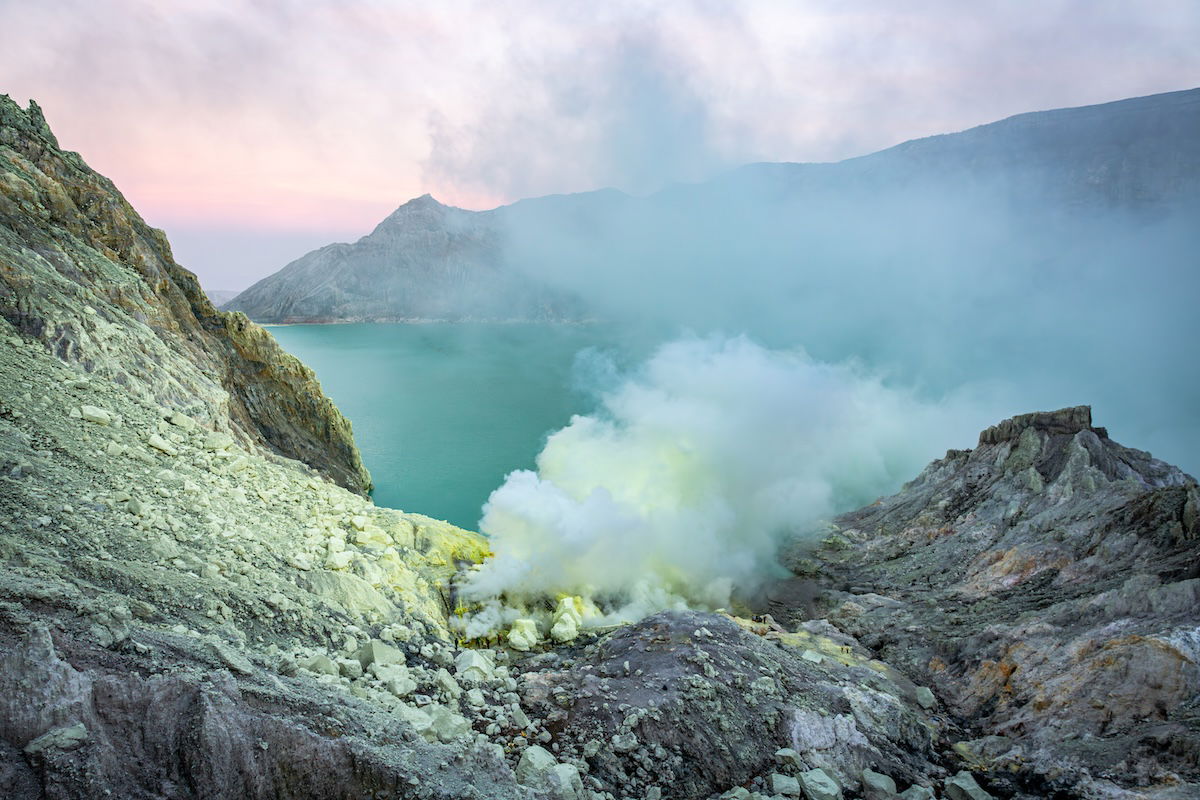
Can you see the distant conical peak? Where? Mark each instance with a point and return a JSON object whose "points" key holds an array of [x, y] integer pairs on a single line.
{"points": [[424, 200]]}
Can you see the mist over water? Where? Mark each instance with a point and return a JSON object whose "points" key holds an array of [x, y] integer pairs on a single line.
{"points": [[443, 411], [680, 487], [900, 303]]}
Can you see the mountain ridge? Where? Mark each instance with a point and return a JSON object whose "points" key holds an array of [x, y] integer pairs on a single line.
{"points": [[428, 260]]}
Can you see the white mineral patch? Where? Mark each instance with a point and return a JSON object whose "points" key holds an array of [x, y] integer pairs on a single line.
{"points": [[524, 634]]}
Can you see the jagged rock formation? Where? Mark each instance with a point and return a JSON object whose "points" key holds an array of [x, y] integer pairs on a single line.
{"points": [[425, 261], [1045, 584], [82, 274]]}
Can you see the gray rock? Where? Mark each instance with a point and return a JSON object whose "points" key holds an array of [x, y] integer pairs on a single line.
{"points": [[784, 784], [963, 787], [916, 792], [534, 763], [925, 697], [378, 652], [96, 415], [817, 784], [65, 738], [877, 786]]}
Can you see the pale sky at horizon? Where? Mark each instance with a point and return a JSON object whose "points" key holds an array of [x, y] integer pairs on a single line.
{"points": [[253, 131]]}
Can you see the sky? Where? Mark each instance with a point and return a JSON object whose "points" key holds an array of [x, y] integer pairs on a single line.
{"points": [[253, 131]]}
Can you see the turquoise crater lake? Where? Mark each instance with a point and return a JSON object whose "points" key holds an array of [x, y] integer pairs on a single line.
{"points": [[443, 411]]}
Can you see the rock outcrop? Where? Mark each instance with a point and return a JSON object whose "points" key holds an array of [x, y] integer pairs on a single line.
{"points": [[83, 274], [1045, 586]]}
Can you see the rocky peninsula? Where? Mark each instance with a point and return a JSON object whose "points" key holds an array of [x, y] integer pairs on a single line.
{"points": [[198, 600]]}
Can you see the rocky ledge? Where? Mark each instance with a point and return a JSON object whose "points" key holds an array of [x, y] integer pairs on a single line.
{"points": [[84, 276]]}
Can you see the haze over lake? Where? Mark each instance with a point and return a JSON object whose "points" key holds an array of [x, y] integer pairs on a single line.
{"points": [[486, 396]]}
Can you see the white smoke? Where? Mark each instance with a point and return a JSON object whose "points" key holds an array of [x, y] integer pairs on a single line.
{"points": [[678, 490]]}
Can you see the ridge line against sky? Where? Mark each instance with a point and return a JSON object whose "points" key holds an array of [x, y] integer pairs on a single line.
{"points": [[253, 131]]}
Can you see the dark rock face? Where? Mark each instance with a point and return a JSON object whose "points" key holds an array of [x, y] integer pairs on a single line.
{"points": [[82, 273], [1045, 584], [425, 261], [697, 703], [200, 733]]}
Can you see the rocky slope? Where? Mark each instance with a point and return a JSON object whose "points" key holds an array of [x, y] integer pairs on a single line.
{"points": [[82, 274], [425, 261], [1045, 584]]}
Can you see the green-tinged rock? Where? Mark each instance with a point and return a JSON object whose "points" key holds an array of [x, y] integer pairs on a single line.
{"points": [[421, 722], [96, 415], [785, 785], [448, 725], [349, 591], [963, 787], [535, 761], [66, 738], [321, 664], [817, 784], [877, 786]]}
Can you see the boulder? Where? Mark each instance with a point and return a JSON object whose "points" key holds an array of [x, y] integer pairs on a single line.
{"points": [[535, 761], [785, 785], [818, 785], [96, 415], [963, 787], [381, 653], [523, 635], [877, 786], [349, 591], [162, 445], [539, 770], [65, 738], [474, 665]]}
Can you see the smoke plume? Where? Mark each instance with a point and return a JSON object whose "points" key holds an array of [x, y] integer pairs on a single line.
{"points": [[679, 488]]}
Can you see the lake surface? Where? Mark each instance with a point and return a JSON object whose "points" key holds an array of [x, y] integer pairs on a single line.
{"points": [[443, 411]]}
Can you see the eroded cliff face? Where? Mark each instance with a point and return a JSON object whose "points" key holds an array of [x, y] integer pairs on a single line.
{"points": [[84, 275]]}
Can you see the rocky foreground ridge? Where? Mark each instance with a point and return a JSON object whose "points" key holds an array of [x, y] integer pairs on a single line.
{"points": [[84, 275], [185, 613]]}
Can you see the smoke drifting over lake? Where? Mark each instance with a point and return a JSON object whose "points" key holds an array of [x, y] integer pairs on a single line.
{"points": [[1045, 261]]}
